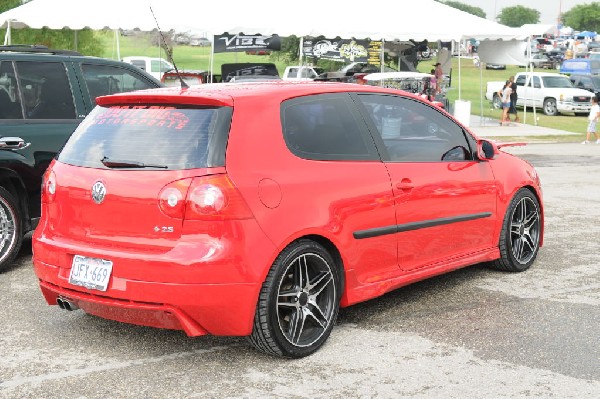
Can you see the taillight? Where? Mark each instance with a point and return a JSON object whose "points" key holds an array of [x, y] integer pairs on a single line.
{"points": [[48, 187], [215, 197], [212, 197], [171, 199]]}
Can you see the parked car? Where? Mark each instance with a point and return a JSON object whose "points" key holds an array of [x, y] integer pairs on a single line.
{"points": [[541, 60], [581, 65], [44, 95], [587, 82], [302, 72], [190, 77], [495, 66], [152, 65], [260, 209], [199, 41]]}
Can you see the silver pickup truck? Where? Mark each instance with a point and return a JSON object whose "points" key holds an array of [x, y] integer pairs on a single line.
{"points": [[552, 93]]}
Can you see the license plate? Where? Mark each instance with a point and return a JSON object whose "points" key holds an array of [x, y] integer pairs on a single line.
{"points": [[91, 273]]}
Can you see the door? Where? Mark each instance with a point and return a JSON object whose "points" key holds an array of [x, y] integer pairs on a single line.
{"points": [[46, 107], [445, 199]]}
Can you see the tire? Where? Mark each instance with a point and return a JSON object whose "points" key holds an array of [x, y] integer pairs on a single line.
{"points": [[550, 107], [298, 303], [520, 236], [11, 229], [496, 102]]}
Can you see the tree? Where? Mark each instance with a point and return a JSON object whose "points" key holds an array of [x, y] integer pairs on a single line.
{"points": [[583, 17], [464, 7], [6, 5], [518, 16]]}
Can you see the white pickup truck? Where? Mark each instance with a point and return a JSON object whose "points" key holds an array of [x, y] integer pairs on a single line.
{"points": [[304, 72], [551, 92]]}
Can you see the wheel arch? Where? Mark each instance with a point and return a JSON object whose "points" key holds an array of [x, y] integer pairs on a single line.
{"points": [[12, 183], [329, 246]]}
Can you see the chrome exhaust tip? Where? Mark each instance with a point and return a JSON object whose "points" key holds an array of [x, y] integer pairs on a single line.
{"points": [[66, 304]]}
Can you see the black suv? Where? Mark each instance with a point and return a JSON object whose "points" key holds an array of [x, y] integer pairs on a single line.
{"points": [[587, 82], [44, 95]]}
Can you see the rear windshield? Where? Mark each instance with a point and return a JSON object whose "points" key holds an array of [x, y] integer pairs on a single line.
{"points": [[150, 137]]}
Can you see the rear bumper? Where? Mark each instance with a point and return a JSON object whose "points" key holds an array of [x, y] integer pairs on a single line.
{"points": [[197, 309]]}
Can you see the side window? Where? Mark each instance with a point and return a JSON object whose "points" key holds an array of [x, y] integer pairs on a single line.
{"points": [[585, 82], [536, 82], [326, 127], [413, 131], [10, 99], [102, 80], [45, 90], [520, 80], [293, 72], [155, 66], [140, 64]]}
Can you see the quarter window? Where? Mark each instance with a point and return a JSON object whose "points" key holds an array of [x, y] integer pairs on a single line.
{"points": [[102, 80], [326, 127]]}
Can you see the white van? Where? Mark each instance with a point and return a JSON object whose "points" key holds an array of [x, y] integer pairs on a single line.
{"points": [[154, 66]]}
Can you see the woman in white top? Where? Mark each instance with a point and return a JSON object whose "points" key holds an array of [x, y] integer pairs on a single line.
{"points": [[505, 95]]}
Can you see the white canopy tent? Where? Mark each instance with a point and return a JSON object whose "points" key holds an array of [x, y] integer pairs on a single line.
{"points": [[386, 20]]}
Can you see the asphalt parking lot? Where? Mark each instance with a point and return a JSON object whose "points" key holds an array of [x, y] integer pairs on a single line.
{"points": [[473, 333]]}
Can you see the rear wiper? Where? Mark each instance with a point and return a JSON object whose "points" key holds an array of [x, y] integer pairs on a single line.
{"points": [[114, 163]]}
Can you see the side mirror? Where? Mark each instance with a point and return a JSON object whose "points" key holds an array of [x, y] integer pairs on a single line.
{"points": [[486, 150]]}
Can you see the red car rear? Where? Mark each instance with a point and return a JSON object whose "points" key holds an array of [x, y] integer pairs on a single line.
{"points": [[260, 209]]}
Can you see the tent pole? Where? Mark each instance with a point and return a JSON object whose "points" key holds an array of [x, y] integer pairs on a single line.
{"points": [[300, 50], [7, 35], [383, 54], [481, 95], [459, 62], [212, 59], [118, 45]]}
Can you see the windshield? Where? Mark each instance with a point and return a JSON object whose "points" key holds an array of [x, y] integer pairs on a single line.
{"points": [[148, 136], [556, 81]]}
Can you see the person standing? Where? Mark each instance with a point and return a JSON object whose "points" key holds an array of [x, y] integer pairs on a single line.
{"points": [[505, 96], [593, 118], [513, 99]]}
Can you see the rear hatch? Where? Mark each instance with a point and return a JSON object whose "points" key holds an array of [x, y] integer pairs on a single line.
{"points": [[123, 177]]}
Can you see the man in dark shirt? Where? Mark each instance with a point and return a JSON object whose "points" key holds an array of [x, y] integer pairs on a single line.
{"points": [[513, 99]]}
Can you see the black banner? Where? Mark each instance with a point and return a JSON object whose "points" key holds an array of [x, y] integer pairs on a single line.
{"points": [[233, 43], [347, 50]]}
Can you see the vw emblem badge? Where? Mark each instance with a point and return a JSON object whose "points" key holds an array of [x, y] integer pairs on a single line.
{"points": [[98, 192]]}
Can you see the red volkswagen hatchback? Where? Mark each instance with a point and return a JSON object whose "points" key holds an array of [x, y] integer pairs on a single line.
{"points": [[259, 209]]}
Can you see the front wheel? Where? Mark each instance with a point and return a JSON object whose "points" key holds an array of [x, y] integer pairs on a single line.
{"points": [[11, 229], [550, 107], [298, 302], [521, 233]]}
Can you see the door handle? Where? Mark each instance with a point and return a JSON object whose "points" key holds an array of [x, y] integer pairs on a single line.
{"points": [[405, 185], [13, 143]]}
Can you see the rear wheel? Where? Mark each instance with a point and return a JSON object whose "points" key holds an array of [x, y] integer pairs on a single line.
{"points": [[298, 302], [496, 102], [11, 229], [521, 233]]}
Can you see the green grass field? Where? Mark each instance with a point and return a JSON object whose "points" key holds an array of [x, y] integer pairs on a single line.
{"points": [[472, 79]]}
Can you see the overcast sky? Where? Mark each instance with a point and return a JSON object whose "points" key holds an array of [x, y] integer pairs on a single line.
{"points": [[548, 8]]}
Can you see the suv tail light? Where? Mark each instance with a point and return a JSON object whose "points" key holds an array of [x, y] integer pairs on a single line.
{"points": [[211, 197], [48, 187]]}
